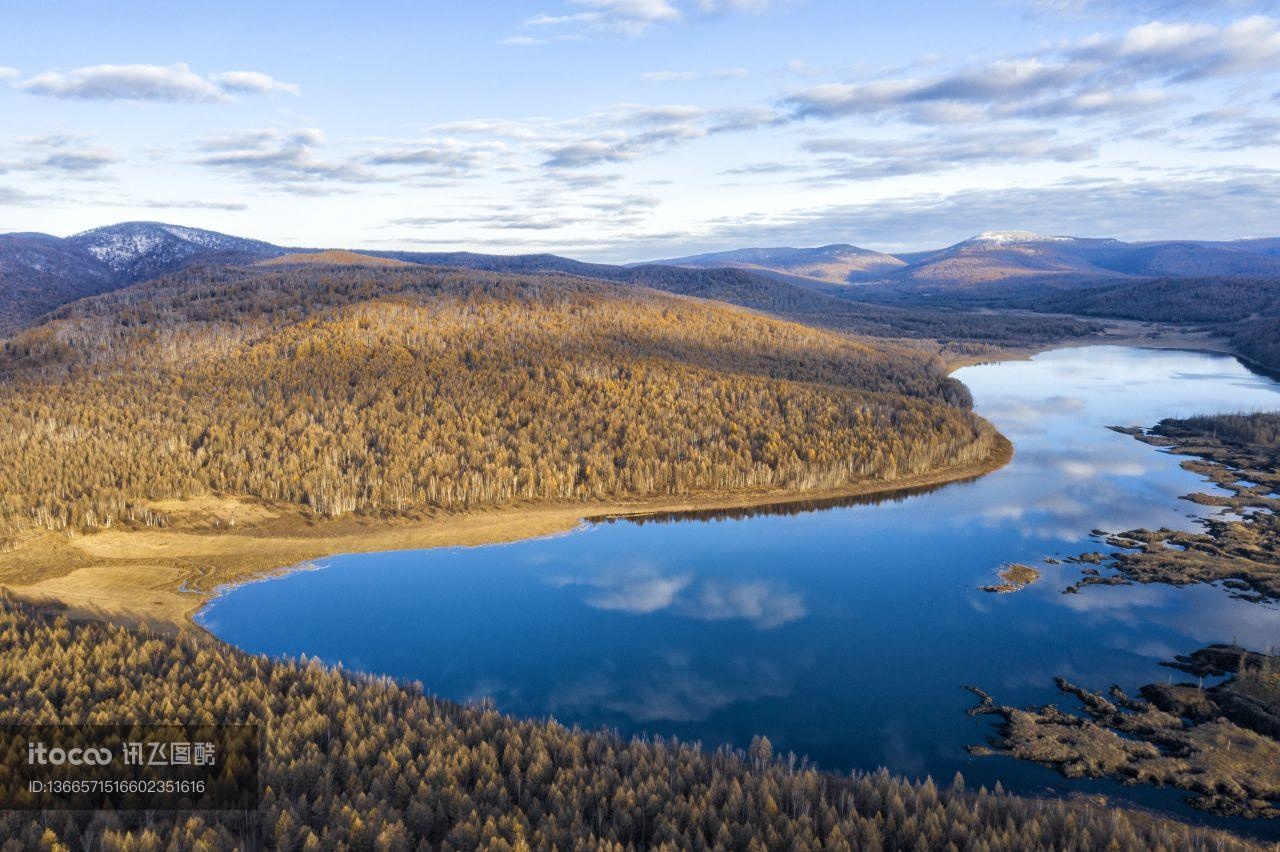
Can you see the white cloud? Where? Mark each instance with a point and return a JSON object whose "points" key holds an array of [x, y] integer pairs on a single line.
{"points": [[1249, 132], [252, 83], [438, 154], [286, 160], [126, 82], [1101, 101], [669, 76], [1097, 75], [1005, 81], [7, 73], [801, 68], [1189, 51], [846, 159], [177, 82], [1142, 7], [908, 142], [10, 196], [65, 154], [1134, 210], [612, 17], [711, 7], [628, 132], [628, 17], [639, 595]]}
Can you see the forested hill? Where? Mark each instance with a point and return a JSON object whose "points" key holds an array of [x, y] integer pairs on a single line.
{"points": [[1247, 310], [365, 763], [409, 390], [1244, 309], [750, 289]]}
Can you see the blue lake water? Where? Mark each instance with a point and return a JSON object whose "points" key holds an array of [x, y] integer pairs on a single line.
{"points": [[844, 634]]}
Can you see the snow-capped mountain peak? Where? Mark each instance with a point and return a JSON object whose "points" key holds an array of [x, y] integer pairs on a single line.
{"points": [[141, 249], [1006, 237]]}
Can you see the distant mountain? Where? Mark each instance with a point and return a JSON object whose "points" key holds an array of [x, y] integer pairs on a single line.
{"points": [[834, 264], [1005, 256], [1265, 245], [140, 250], [39, 272], [1001, 255], [1186, 259]]}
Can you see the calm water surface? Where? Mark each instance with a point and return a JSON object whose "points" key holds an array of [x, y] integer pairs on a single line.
{"points": [[844, 634]]}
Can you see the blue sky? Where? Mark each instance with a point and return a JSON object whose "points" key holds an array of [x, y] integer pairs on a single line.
{"points": [[628, 129]]}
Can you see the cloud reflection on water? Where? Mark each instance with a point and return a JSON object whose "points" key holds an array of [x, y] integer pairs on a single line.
{"points": [[765, 604], [1201, 619], [670, 688]]}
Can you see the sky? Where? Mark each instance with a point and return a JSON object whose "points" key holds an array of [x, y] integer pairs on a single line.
{"points": [[621, 130]]}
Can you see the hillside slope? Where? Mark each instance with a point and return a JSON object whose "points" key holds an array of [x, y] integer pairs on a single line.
{"points": [[412, 390], [39, 272]]}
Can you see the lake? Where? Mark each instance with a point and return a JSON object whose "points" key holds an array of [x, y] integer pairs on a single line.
{"points": [[845, 634]]}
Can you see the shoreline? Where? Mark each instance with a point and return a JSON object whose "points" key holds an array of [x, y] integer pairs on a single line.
{"points": [[163, 577]]}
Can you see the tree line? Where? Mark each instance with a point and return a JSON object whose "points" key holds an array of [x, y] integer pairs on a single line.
{"points": [[1257, 431]]}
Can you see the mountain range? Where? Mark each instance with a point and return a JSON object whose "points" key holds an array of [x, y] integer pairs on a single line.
{"points": [[996, 256], [39, 272], [834, 264]]}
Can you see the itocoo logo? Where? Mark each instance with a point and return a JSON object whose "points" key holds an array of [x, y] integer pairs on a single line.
{"points": [[39, 753]]}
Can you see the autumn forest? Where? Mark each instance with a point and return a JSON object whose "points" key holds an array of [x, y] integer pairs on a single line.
{"points": [[409, 391]]}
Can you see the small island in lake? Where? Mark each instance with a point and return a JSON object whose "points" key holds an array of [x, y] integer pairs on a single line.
{"points": [[1013, 578]]}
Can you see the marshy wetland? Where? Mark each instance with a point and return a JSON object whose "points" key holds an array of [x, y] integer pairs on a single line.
{"points": [[845, 634]]}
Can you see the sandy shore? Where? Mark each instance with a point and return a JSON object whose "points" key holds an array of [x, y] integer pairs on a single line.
{"points": [[163, 576]]}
